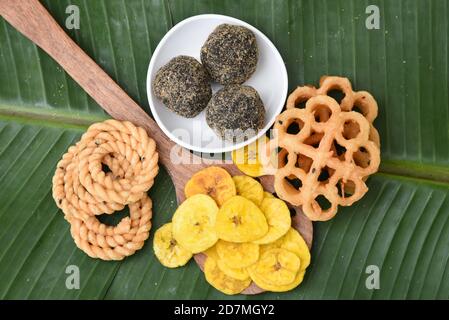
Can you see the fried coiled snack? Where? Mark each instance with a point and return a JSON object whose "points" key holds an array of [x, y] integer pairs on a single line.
{"points": [[82, 189], [98, 240], [127, 141]]}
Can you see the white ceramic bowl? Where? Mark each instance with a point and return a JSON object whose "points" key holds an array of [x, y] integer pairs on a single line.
{"points": [[186, 38]]}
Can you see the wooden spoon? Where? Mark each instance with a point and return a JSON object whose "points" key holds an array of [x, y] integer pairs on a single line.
{"points": [[32, 19]]}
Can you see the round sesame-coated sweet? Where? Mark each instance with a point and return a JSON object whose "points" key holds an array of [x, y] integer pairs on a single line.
{"points": [[230, 54], [183, 86], [235, 112]]}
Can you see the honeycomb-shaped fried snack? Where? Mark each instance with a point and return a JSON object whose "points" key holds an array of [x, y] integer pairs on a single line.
{"points": [[361, 101], [322, 156]]}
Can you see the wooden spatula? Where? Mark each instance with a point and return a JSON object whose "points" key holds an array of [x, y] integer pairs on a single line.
{"points": [[35, 22]]}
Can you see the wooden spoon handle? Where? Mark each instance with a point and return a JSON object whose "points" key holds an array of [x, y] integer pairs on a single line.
{"points": [[32, 19]]}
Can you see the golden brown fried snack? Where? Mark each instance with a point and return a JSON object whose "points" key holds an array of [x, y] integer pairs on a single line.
{"points": [[82, 189], [113, 243], [314, 155], [361, 101], [213, 181], [125, 140], [71, 196]]}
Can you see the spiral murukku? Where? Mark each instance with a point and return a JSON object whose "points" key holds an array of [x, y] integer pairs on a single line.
{"points": [[113, 165], [98, 240], [113, 137], [71, 196]]}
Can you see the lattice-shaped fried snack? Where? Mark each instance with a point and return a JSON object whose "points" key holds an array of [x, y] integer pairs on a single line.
{"points": [[360, 101], [321, 157]]}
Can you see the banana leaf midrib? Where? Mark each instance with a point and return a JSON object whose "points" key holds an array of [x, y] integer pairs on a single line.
{"points": [[57, 118]]}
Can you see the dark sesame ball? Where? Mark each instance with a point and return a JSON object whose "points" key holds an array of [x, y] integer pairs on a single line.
{"points": [[183, 86], [230, 54], [235, 112]]}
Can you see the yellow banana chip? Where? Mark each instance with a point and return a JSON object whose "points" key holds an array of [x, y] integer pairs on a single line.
{"points": [[268, 195], [244, 232], [281, 288], [249, 188], [167, 249], [193, 223], [236, 273], [212, 252], [227, 268], [276, 267], [278, 217], [293, 242], [237, 255], [220, 281], [215, 182], [240, 220], [247, 159]]}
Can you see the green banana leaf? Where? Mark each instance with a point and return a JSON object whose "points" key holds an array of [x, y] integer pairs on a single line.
{"points": [[401, 225]]}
